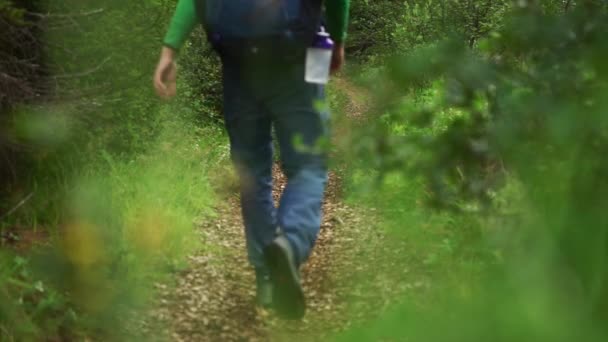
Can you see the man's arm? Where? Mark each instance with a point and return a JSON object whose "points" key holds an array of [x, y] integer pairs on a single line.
{"points": [[337, 12], [183, 22]]}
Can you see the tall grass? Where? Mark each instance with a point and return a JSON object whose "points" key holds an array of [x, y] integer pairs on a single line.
{"points": [[126, 223]]}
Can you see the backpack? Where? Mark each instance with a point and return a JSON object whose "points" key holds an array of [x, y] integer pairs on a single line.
{"points": [[236, 24]]}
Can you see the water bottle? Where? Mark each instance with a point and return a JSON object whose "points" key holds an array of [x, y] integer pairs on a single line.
{"points": [[318, 58]]}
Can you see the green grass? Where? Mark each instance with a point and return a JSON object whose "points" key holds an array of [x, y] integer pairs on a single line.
{"points": [[119, 225]]}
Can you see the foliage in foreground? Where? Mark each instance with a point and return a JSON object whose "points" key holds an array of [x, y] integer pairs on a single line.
{"points": [[513, 132], [107, 180], [127, 228]]}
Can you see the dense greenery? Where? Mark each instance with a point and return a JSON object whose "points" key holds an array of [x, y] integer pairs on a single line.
{"points": [[482, 149], [106, 175], [509, 134]]}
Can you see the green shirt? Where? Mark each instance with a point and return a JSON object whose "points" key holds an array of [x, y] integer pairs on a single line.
{"points": [[185, 19]]}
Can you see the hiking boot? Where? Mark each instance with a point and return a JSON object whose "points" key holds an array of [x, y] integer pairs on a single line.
{"points": [[287, 294], [263, 292]]}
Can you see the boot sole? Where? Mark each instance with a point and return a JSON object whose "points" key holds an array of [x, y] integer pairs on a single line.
{"points": [[288, 296]]}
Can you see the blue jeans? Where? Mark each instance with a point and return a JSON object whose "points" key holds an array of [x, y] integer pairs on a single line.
{"points": [[257, 98]]}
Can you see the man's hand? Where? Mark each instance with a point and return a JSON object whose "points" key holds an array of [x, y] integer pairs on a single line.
{"points": [[166, 74], [337, 58]]}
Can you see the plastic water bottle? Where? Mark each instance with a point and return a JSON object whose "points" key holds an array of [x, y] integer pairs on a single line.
{"points": [[318, 58]]}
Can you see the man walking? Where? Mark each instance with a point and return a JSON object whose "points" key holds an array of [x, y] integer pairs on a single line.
{"points": [[263, 47]]}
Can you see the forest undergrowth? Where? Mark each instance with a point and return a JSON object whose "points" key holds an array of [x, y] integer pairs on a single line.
{"points": [[467, 197], [347, 279]]}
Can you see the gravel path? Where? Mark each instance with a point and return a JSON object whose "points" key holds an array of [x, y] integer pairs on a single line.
{"points": [[213, 300]]}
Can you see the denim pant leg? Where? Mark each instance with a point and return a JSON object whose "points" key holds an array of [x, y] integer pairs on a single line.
{"points": [[249, 129], [301, 123]]}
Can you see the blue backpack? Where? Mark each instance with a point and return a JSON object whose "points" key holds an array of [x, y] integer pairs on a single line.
{"points": [[230, 23]]}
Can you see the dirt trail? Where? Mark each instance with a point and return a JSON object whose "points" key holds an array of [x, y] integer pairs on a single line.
{"points": [[358, 101], [213, 300]]}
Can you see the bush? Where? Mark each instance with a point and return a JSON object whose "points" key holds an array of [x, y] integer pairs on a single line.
{"points": [[115, 179], [512, 132]]}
